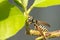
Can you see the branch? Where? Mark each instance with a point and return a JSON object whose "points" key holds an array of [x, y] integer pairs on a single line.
{"points": [[49, 35]]}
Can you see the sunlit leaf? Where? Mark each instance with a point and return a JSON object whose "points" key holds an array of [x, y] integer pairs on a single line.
{"points": [[46, 3], [11, 19], [1, 1]]}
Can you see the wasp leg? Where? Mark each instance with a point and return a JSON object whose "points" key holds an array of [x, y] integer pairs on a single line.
{"points": [[40, 30], [27, 28]]}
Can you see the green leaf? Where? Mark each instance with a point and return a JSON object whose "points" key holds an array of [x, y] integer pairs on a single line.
{"points": [[11, 20], [46, 3], [1, 1]]}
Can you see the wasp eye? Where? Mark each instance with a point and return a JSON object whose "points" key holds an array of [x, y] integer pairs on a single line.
{"points": [[30, 18]]}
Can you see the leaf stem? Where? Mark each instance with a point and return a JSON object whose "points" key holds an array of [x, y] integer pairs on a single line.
{"points": [[25, 13], [29, 10]]}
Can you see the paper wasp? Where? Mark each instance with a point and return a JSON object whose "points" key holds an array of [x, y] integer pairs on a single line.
{"points": [[38, 25]]}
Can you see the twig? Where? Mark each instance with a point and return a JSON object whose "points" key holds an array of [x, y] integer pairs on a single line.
{"points": [[53, 34]]}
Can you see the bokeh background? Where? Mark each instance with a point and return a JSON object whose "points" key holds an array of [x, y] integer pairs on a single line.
{"points": [[48, 14]]}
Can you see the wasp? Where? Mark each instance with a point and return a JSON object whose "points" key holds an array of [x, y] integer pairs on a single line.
{"points": [[38, 25]]}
